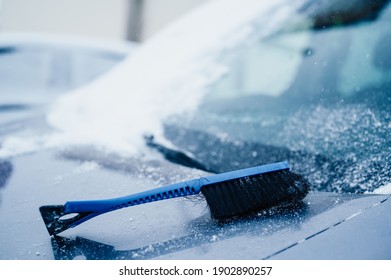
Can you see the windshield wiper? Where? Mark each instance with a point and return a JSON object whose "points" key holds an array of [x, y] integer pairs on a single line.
{"points": [[175, 156], [342, 13], [7, 50]]}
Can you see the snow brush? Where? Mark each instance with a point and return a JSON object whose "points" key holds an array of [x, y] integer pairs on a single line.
{"points": [[228, 195]]}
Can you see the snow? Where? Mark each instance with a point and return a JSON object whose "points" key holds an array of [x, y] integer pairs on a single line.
{"points": [[133, 99], [167, 75], [386, 189]]}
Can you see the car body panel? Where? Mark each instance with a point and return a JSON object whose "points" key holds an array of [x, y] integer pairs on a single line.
{"points": [[364, 235], [175, 228]]}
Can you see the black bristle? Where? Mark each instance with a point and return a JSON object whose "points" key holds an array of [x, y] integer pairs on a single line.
{"points": [[244, 196]]}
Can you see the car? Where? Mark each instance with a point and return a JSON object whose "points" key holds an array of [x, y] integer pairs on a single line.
{"points": [[36, 68], [307, 82]]}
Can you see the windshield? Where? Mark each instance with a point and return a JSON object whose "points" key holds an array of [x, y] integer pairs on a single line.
{"points": [[319, 98], [272, 83]]}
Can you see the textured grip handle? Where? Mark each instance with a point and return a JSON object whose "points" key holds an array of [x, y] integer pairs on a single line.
{"points": [[106, 205]]}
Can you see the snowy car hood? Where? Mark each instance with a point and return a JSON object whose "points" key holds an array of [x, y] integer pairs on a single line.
{"points": [[324, 225]]}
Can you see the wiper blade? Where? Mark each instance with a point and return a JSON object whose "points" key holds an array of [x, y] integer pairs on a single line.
{"points": [[326, 14], [5, 50], [175, 156]]}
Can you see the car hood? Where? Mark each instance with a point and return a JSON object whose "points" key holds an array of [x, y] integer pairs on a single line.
{"points": [[324, 225]]}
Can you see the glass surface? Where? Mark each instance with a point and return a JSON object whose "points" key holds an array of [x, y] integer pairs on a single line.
{"points": [[319, 98]]}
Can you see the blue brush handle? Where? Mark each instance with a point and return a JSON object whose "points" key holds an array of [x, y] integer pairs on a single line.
{"points": [[192, 187]]}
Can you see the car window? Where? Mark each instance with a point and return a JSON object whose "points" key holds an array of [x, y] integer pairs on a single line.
{"points": [[357, 56], [318, 98]]}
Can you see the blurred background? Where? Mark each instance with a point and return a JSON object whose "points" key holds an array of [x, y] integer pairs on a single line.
{"points": [[133, 20]]}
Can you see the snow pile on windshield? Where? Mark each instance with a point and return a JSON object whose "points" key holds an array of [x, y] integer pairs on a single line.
{"points": [[386, 189], [168, 75]]}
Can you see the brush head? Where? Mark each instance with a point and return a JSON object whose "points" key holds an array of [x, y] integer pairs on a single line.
{"points": [[240, 197]]}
